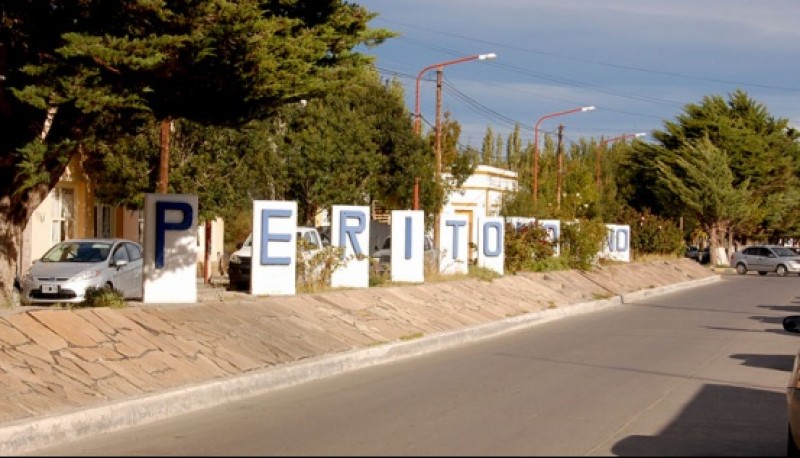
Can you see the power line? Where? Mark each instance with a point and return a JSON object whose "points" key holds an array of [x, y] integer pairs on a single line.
{"points": [[589, 61]]}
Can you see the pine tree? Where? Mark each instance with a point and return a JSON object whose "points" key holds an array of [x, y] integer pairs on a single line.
{"points": [[83, 73]]}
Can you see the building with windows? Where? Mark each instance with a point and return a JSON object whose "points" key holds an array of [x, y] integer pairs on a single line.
{"points": [[70, 211]]}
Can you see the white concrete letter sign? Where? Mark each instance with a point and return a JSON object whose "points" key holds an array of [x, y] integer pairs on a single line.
{"points": [[454, 240], [170, 248], [274, 250], [350, 231], [408, 246], [490, 243]]}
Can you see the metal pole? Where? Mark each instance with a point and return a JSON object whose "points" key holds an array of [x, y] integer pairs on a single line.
{"points": [[439, 66], [535, 178], [438, 152], [559, 167]]}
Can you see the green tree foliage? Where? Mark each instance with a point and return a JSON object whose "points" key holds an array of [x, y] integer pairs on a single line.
{"points": [[76, 71], [581, 241], [612, 178], [226, 167], [651, 234], [497, 160], [487, 147], [515, 159], [458, 163], [762, 155], [699, 177], [354, 146], [450, 134], [526, 247]]}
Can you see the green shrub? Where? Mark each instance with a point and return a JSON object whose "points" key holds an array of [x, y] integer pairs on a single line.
{"points": [[101, 297], [314, 272], [525, 247], [581, 241], [482, 273], [550, 264], [652, 234]]}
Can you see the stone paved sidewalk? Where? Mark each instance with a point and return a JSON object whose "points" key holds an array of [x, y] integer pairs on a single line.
{"points": [[54, 361]]}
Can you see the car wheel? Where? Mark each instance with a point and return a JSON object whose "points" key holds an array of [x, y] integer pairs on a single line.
{"points": [[762, 272], [781, 270], [791, 446], [741, 269]]}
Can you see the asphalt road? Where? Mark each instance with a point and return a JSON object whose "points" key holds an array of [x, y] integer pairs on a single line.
{"points": [[698, 372]]}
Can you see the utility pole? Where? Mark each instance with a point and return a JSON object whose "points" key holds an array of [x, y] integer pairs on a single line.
{"points": [[437, 146], [163, 165], [559, 167], [598, 167]]}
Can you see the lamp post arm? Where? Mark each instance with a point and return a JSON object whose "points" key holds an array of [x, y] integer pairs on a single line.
{"points": [[535, 181], [439, 66]]}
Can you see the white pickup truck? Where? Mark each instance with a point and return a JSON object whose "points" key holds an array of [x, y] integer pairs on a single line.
{"points": [[239, 264]]}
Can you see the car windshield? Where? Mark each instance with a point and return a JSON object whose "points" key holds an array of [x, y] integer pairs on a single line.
{"points": [[783, 251], [77, 252]]}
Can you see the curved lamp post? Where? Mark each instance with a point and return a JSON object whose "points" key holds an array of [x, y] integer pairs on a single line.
{"points": [[439, 67], [535, 181], [437, 142]]}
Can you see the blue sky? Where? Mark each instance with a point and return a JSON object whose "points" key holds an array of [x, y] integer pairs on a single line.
{"points": [[639, 62]]}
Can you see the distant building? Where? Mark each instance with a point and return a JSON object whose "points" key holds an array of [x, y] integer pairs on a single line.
{"points": [[481, 195]]}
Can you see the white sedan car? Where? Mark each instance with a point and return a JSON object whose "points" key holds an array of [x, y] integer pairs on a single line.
{"points": [[71, 267]]}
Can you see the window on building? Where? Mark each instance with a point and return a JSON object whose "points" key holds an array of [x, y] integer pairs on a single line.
{"points": [[103, 222], [63, 214]]}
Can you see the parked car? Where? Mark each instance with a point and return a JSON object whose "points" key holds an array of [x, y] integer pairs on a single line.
{"points": [[239, 264], [382, 254], [325, 235], [694, 252], [766, 258], [791, 323], [69, 268]]}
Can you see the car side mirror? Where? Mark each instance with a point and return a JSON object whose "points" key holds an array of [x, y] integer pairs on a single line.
{"points": [[120, 263], [791, 323]]}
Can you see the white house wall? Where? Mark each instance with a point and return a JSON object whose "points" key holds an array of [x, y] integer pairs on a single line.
{"points": [[36, 238], [481, 195]]}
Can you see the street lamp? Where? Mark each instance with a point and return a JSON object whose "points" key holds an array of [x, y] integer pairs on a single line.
{"points": [[437, 138], [601, 146], [439, 67], [535, 181]]}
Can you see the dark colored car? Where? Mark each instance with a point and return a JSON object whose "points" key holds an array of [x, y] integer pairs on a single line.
{"points": [[694, 252]]}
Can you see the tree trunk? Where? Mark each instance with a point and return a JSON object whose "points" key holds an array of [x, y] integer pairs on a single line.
{"points": [[713, 236], [163, 166], [15, 211]]}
